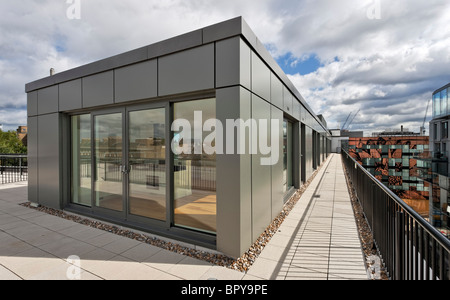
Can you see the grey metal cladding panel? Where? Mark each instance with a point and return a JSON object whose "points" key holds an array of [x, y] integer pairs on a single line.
{"points": [[228, 62], [249, 35], [288, 101], [233, 63], [246, 174], [228, 179], [186, 71], [49, 160], [261, 176], [233, 179], [222, 30], [302, 114], [276, 91], [48, 100], [246, 65], [32, 138], [70, 95], [103, 65], [175, 44], [98, 89], [135, 82], [297, 110], [277, 167], [260, 78], [32, 103]]}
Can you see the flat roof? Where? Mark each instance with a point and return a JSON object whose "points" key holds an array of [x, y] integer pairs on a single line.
{"points": [[441, 89], [207, 35]]}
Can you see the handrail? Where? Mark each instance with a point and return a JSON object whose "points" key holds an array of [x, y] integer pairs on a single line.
{"points": [[13, 168], [445, 242], [14, 155]]}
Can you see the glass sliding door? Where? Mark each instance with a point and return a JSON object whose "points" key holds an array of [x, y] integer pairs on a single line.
{"points": [[108, 161], [147, 163], [81, 160], [194, 169]]}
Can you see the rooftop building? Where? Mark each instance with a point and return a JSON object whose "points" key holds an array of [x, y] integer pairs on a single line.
{"points": [[104, 141]]}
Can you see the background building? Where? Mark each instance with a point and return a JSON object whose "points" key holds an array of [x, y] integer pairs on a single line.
{"points": [[392, 160], [436, 162], [340, 138], [22, 132]]}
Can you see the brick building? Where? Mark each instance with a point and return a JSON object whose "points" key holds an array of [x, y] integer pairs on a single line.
{"points": [[392, 160]]}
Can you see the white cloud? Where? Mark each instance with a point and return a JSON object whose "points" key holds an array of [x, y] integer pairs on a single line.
{"points": [[386, 68]]}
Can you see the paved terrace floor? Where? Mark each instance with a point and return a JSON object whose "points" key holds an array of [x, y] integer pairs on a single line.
{"points": [[318, 240]]}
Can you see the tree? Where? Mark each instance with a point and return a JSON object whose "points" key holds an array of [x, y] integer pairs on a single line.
{"points": [[11, 144]]}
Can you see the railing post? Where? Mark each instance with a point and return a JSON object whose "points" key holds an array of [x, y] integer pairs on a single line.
{"points": [[399, 246]]}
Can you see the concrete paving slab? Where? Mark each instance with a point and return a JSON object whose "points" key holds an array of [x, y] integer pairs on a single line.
{"points": [[318, 240]]}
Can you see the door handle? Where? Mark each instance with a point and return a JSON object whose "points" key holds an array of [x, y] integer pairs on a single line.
{"points": [[124, 169]]}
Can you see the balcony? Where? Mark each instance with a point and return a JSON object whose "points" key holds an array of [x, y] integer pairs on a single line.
{"points": [[410, 247], [433, 156]]}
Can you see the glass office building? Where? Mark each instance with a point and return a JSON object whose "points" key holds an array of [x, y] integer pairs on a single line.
{"points": [[116, 139], [437, 169]]}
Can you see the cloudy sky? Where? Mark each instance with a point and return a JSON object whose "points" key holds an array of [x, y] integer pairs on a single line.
{"points": [[381, 58]]}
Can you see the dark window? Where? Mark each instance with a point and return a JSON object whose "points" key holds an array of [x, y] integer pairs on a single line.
{"points": [[444, 130]]}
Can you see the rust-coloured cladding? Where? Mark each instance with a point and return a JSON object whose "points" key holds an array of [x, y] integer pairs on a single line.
{"points": [[385, 158]]}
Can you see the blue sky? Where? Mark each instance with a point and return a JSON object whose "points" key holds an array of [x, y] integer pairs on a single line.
{"points": [[293, 65], [388, 65]]}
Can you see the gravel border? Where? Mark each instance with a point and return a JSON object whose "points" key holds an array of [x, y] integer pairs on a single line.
{"points": [[241, 264]]}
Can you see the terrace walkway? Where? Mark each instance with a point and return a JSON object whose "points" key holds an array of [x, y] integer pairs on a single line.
{"points": [[318, 240]]}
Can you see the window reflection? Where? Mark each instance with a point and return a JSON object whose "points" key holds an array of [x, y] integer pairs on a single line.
{"points": [[146, 159], [81, 160], [108, 161], [195, 174]]}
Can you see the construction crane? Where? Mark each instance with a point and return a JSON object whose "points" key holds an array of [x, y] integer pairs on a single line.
{"points": [[343, 126], [351, 122], [422, 129]]}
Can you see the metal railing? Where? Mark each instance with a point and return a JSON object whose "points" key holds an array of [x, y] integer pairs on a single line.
{"points": [[410, 247], [189, 174], [13, 168]]}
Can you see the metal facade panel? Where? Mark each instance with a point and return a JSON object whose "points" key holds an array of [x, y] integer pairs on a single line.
{"points": [[135, 82], [288, 103], [49, 160], [227, 62], [70, 95], [245, 65], [260, 78], [277, 167], [32, 139], [32, 103], [261, 175], [222, 30], [48, 100], [276, 91], [233, 178], [98, 89], [233, 63], [187, 71], [176, 44], [297, 109]]}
